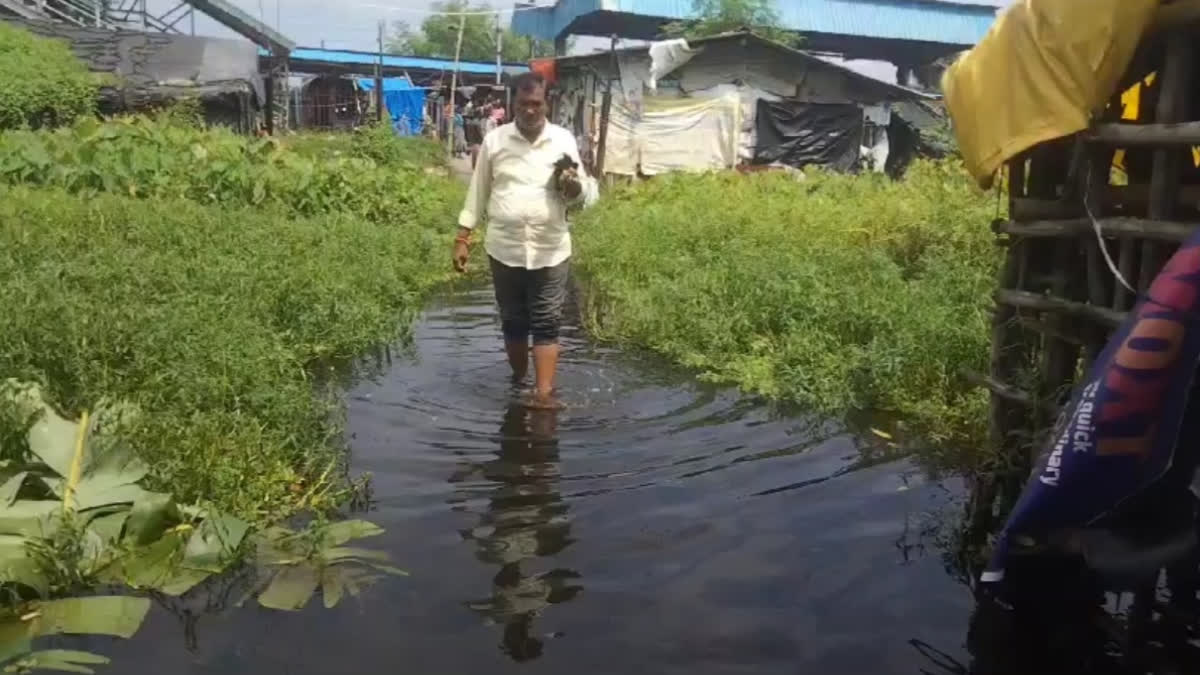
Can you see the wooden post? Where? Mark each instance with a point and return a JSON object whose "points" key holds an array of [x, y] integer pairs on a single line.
{"points": [[462, 24], [379, 78], [602, 144], [1173, 101], [269, 108], [499, 47]]}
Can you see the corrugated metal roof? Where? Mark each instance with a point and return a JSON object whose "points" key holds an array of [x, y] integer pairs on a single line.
{"points": [[414, 62], [953, 22]]}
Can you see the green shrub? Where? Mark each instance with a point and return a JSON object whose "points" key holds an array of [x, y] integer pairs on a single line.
{"points": [[837, 292], [376, 142], [157, 159], [209, 320], [41, 81]]}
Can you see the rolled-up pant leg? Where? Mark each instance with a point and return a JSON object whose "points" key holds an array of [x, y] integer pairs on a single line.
{"points": [[531, 301], [548, 295], [511, 289]]}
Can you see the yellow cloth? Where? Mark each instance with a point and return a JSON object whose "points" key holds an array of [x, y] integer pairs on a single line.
{"points": [[1040, 73]]}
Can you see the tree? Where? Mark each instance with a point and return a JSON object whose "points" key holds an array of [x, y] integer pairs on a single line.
{"points": [[714, 17], [438, 35]]}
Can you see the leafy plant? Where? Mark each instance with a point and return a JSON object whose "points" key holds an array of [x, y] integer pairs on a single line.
{"points": [[156, 159], [376, 142], [41, 82], [213, 322], [303, 561], [837, 292], [714, 17], [74, 511]]}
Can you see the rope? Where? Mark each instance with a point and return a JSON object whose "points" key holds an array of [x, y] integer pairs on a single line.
{"points": [[1112, 266]]}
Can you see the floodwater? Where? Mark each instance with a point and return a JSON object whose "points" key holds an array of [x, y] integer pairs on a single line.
{"points": [[654, 526]]}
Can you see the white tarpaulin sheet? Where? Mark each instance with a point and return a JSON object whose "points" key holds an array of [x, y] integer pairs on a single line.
{"points": [[674, 135], [666, 57], [749, 97]]}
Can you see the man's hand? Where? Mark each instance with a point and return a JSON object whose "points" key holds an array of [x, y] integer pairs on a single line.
{"points": [[569, 185], [462, 251]]}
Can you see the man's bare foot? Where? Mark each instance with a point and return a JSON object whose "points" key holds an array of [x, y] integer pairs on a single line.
{"points": [[543, 401]]}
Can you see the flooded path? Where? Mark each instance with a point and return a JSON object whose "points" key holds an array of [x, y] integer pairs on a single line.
{"points": [[655, 526]]}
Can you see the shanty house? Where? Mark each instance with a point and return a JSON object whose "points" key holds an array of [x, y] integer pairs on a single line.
{"points": [[730, 100]]}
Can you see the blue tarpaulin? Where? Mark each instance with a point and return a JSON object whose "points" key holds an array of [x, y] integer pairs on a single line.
{"points": [[404, 102]]}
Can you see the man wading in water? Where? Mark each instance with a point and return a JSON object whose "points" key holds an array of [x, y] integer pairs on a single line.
{"points": [[521, 182]]}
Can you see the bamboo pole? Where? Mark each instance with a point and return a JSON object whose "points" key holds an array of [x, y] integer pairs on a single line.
{"points": [[462, 24], [1168, 231], [1173, 102]]}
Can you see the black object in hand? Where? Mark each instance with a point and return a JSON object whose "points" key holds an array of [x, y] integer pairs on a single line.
{"points": [[565, 162]]}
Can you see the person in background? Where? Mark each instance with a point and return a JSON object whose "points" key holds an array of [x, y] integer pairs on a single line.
{"points": [[460, 135], [525, 195]]}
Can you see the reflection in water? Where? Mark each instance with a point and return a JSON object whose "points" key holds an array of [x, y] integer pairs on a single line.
{"points": [[525, 518]]}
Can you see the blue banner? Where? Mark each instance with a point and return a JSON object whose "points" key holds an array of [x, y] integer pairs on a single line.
{"points": [[1119, 432]]}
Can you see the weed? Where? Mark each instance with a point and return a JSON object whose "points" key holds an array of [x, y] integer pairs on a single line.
{"points": [[837, 292], [207, 320], [41, 81]]}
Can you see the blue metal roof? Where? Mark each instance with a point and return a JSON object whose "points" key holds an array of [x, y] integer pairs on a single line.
{"points": [[414, 62], [963, 23]]}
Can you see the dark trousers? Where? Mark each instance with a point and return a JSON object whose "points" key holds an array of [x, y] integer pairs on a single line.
{"points": [[531, 301]]}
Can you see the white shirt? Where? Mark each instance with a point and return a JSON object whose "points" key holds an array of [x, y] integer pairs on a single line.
{"points": [[527, 218]]}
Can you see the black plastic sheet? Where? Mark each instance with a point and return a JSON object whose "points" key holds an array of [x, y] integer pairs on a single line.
{"points": [[805, 134]]}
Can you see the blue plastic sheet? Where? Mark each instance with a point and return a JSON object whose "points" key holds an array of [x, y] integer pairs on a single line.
{"points": [[404, 102]]}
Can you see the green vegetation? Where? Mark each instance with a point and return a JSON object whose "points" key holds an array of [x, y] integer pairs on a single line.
{"points": [[376, 142], [73, 515], [209, 318], [193, 289], [438, 36], [836, 292], [153, 159], [41, 81], [714, 17]]}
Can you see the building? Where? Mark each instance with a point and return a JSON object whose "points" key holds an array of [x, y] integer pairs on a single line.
{"points": [[907, 33], [150, 70], [728, 101]]}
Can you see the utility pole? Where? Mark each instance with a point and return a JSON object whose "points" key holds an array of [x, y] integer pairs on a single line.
{"points": [[379, 78], [462, 24], [499, 46]]}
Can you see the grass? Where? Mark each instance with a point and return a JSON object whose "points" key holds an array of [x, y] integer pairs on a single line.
{"points": [[208, 310], [840, 293]]}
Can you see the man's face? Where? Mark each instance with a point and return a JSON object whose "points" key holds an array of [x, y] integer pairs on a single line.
{"points": [[531, 108]]}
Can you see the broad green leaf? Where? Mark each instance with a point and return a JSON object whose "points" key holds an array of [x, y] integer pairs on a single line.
{"points": [[108, 526], [30, 518], [63, 660], [17, 567], [291, 588], [118, 616], [153, 565], [182, 581], [333, 584], [8, 491], [151, 515], [52, 439], [336, 534], [339, 554], [214, 542]]}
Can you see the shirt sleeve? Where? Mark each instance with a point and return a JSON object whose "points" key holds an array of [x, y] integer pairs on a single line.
{"points": [[478, 190]]}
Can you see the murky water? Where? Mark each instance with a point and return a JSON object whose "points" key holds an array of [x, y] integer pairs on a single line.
{"points": [[655, 526]]}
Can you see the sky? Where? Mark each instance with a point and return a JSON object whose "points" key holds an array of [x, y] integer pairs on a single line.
{"points": [[341, 24], [353, 24]]}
